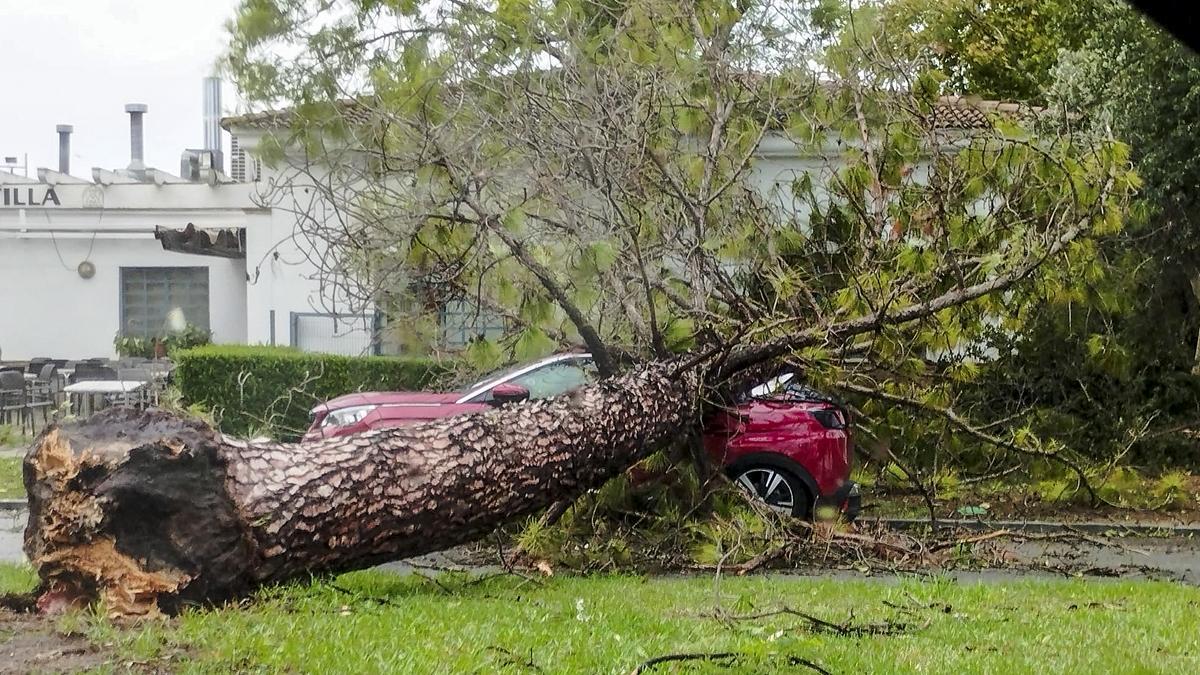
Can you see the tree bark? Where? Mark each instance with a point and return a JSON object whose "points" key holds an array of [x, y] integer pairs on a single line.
{"points": [[148, 511]]}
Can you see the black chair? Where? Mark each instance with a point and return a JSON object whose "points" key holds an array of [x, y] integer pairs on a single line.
{"points": [[89, 372], [43, 393], [35, 365], [12, 398]]}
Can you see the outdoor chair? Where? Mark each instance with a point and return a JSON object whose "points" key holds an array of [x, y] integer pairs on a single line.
{"points": [[161, 370], [12, 399], [43, 393], [90, 372], [35, 365], [140, 397]]}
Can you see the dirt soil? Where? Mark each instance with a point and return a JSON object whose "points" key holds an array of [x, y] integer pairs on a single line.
{"points": [[30, 644]]}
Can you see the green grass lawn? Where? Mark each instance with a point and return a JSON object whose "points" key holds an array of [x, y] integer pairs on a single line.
{"points": [[372, 622], [11, 486]]}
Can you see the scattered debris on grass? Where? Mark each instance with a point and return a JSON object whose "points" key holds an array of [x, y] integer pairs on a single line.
{"points": [[723, 659], [819, 625]]}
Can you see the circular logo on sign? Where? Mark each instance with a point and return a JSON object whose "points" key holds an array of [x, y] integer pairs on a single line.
{"points": [[93, 197]]}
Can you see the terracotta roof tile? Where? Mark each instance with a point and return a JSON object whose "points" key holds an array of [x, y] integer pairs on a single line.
{"points": [[962, 112]]}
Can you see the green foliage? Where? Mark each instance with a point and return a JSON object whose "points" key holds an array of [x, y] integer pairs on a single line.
{"points": [[1119, 486], [1173, 488], [1058, 379], [662, 513], [997, 49], [1106, 342], [273, 388], [170, 341], [610, 169]]}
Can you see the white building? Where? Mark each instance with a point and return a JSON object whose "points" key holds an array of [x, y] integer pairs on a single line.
{"points": [[80, 262]]}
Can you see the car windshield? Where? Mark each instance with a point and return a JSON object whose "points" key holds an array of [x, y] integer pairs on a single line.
{"points": [[786, 386]]}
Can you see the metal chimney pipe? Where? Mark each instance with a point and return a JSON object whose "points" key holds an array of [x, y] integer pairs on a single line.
{"points": [[64, 148], [212, 113], [136, 148], [212, 121]]}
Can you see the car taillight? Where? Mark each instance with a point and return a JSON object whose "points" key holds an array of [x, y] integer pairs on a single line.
{"points": [[829, 418]]}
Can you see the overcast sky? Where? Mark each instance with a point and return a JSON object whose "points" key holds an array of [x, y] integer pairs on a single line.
{"points": [[80, 61]]}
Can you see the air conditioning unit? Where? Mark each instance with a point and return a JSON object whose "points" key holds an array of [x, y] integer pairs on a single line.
{"points": [[196, 165]]}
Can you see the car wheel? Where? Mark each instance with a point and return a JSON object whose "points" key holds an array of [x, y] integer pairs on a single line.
{"points": [[780, 490]]}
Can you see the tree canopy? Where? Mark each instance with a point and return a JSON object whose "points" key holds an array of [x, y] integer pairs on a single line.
{"points": [[745, 182], [1126, 339]]}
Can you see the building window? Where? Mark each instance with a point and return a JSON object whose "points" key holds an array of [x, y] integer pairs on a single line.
{"points": [[156, 300], [461, 321]]}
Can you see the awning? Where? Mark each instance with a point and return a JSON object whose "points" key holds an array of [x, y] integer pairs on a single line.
{"points": [[220, 242]]}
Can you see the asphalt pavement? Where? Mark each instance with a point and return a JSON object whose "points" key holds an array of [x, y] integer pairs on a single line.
{"points": [[1170, 558]]}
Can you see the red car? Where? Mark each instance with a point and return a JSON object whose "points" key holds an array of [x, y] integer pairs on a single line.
{"points": [[783, 442]]}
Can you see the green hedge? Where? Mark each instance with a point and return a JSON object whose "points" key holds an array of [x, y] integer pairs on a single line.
{"points": [[252, 390]]}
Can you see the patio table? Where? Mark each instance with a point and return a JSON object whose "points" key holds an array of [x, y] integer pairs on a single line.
{"points": [[90, 389]]}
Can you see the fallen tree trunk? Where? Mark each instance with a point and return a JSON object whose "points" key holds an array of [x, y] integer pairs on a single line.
{"points": [[147, 510]]}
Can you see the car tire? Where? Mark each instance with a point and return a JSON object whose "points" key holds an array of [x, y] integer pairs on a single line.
{"points": [[780, 489]]}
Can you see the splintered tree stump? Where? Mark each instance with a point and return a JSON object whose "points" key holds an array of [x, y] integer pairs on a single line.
{"points": [[147, 511]]}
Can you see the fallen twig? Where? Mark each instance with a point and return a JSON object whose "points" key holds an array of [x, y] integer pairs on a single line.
{"points": [[732, 657], [712, 656], [970, 480], [511, 659], [941, 546], [1105, 542], [841, 629], [361, 596]]}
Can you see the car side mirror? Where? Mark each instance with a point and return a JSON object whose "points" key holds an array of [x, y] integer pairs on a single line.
{"points": [[507, 392]]}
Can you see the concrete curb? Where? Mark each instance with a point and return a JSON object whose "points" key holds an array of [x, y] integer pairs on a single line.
{"points": [[13, 504], [1043, 526]]}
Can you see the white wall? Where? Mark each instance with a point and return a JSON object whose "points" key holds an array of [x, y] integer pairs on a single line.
{"points": [[47, 309], [280, 259]]}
